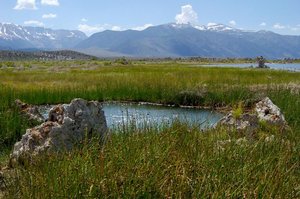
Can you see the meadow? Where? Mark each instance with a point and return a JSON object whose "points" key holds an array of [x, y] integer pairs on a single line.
{"points": [[177, 161]]}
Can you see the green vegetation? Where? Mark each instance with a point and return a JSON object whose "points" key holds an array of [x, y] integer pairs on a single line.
{"points": [[238, 110], [176, 162], [171, 162]]}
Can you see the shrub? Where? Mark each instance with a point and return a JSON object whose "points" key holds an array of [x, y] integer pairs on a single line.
{"points": [[238, 110], [122, 61], [10, 64]]}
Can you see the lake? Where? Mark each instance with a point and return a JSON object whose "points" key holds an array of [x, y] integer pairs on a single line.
{"points": [[290, 67], [120, 114]]}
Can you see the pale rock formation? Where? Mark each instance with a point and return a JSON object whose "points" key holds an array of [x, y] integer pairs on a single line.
{"points": [[66, 127]]}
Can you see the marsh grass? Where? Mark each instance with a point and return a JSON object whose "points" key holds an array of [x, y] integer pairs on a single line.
{"points": [[176, 161]]}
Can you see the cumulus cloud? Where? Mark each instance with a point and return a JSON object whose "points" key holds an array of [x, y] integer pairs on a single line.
{"points": [[263, 24], [232, 23], [25, 4], [33, 23], [50, 2], [278, 26], [49, 16], [187, 15], [140, 28]]}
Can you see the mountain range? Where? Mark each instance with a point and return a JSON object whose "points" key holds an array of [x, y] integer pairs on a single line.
{"points": [[16, 37], [167, 40]]}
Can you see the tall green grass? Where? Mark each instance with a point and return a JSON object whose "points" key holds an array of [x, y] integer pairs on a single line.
{"points": [[176, 162]]}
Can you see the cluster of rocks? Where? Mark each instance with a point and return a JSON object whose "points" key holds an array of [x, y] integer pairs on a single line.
{"points": [[265, 111], [66, 126]]}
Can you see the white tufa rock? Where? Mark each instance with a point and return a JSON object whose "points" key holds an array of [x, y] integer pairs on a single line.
{"points": [[66, 127], [269, 112]]}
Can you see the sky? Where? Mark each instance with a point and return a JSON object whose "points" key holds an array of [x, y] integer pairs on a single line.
{"points": [[90, 16]]}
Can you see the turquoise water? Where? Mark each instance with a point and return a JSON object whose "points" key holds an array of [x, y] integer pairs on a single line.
{"points": [[124, 114]]}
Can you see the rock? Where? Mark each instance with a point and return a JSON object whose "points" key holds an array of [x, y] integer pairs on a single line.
{"points": [[269, 112], [264, 111], [66, 127], [246, 122], [30, 111]]}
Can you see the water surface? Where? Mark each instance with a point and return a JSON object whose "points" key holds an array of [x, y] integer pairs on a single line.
{"points": [[289, 67], [120, 114]]}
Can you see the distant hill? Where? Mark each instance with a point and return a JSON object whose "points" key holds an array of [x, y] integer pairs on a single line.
{"points": [[16, 37], [43, 55], [176, 40]]}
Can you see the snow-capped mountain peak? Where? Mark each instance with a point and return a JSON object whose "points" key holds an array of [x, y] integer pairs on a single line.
{"points": [[37, 37], [208, 27]]}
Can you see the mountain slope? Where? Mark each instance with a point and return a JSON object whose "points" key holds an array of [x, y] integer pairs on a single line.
{"points": [[216, 40], [19, 37]]}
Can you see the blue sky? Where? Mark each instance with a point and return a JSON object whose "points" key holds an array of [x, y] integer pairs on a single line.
{"points": [[281, 16]]}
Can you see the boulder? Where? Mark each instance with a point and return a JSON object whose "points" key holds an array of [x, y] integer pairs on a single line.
{"points": [[264, 111], [246, 122], [269, 112], [66, 127]]}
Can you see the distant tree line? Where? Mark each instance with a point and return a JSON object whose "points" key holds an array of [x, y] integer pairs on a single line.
{"points": [[43, 55]]}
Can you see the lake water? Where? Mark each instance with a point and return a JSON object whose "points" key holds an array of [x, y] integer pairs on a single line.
{"points": [[290, 67], [119, 115]]}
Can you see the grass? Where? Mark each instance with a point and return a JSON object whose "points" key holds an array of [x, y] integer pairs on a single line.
{"points": [[174, 162]]}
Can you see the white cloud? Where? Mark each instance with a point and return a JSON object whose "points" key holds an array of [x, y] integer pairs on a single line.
{"points": [[33, 23], [89, 29], [232, 23], [295, 28], [278, 26], [84, 20], [263, 24], [212, 24], [140, 28], [25, 4], [50, 2], [187, 15], [49, 16], [116, 28]]}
